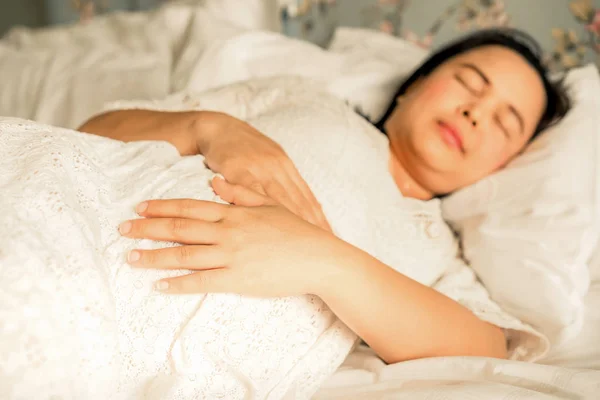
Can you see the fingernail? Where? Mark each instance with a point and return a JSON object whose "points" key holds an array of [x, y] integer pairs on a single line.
{"points": [[141, 207], [161, 285], [134, 256], [125, 227]]}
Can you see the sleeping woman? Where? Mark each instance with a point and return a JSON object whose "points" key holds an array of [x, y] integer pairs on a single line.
{"points": [[316, 203]]}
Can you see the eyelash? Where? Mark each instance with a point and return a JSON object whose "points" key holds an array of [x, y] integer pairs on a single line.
{"points": [[502, 128], [462, 82]]}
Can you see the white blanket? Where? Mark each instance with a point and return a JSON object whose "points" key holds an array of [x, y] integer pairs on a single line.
{"points": [[83, 324]]}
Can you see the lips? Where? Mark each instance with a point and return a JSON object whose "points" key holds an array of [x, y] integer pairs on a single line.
{"points": [[451, 135]]}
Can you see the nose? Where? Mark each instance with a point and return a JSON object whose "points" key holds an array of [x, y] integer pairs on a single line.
{"points": [[478, 111], [469, 116]]}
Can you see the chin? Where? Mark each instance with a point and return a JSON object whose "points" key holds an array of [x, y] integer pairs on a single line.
{"points": [[437, 155]]}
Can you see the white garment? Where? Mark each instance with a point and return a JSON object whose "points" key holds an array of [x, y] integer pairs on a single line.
{"points": [[80, 323]]}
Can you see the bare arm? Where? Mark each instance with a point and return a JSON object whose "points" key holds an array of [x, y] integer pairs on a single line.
{"points": [[398, 317], [178, 128], [402, 319]]}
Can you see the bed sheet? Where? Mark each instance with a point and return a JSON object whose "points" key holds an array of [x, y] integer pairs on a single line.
{"points": [[364, 376]]}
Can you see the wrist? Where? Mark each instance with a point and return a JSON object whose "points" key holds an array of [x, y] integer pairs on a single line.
{"points": [[344, 264], [204, 127]]}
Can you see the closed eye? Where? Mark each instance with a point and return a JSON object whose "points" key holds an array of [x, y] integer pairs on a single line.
{"points": [[502, 127], [472, 78], [469, 87]]}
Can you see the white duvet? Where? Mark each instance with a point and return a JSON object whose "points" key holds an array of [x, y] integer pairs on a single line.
{"points": [[80, 323]]}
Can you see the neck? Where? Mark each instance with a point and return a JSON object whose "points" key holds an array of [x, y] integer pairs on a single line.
{"points": [[409, 187]]}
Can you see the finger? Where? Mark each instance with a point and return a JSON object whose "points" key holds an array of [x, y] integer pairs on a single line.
{"points": [[298, 190], [282, 193], [238, 194], [182, 208], [210, 281], [297, 201], [305, 201], [313, 204], [180, 230], [249, 181], [255, 187], [320, 215], [325, 224], [311, 201], [180, 257]]}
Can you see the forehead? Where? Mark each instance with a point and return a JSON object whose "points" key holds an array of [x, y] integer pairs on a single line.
{"points": [[511, 77]]}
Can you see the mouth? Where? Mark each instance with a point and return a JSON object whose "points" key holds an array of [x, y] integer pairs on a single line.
{"points": [[451, 136]]}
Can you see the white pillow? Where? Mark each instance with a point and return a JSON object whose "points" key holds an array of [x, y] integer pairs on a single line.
{"points": [[356, 68], [375, 65], [530, 229], [64, 74], [64, 86], [583, 350]]}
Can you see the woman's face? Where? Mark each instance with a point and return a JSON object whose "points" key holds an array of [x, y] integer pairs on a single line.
{"points": [[466, 119]]}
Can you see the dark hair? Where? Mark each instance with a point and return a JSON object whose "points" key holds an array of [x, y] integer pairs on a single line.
{"points": [[557, 100]]}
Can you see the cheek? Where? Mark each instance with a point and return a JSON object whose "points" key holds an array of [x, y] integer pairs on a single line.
{"points": [[493, 155], [437, 91], [426, 100]]}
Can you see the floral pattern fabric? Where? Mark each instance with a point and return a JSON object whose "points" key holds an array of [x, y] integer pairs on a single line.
{"points": [[573, 41]]}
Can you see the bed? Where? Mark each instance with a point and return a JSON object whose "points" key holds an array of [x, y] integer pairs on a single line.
{"points": [[62, 76]]}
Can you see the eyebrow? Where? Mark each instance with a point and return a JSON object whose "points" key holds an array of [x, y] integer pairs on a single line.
{"points": [[483, 76]]}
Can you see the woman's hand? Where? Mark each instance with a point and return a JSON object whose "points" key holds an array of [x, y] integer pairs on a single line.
{"points": [[263, 250], [246, 157]]}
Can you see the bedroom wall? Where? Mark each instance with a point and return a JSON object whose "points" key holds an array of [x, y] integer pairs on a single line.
{"points": [[21, 12], [51, 12], [61, 11]]}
